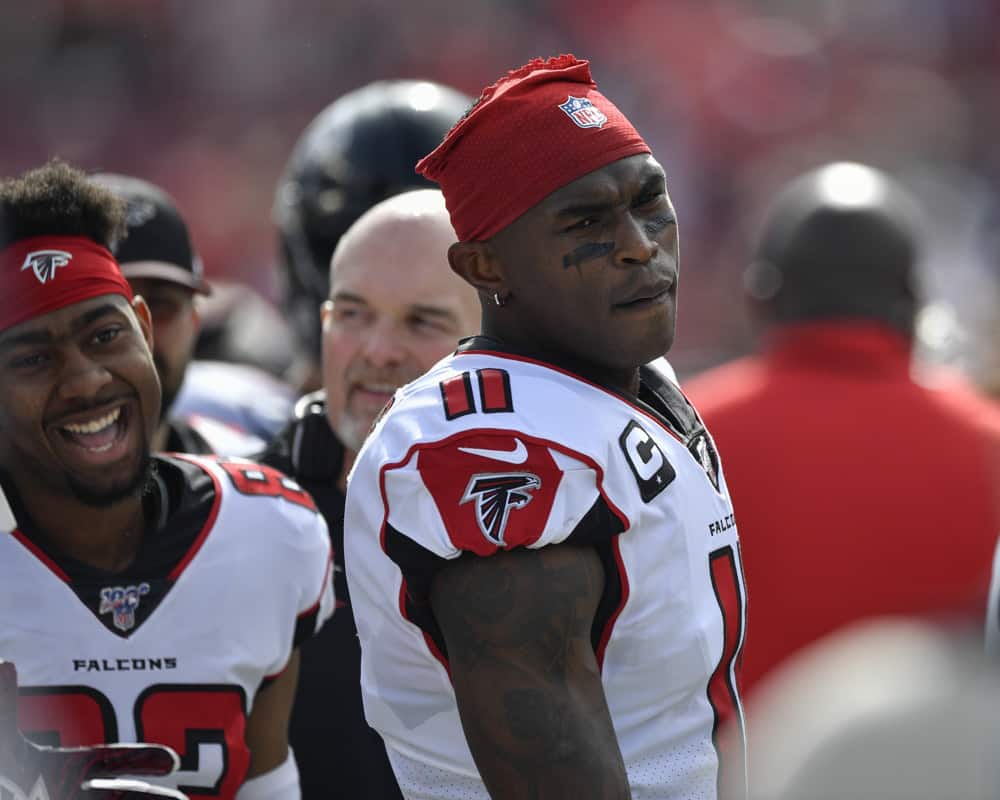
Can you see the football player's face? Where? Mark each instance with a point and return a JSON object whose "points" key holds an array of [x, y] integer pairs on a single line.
{"points": [[396, 309], [79, 399], [175, 330], [592, 269]]}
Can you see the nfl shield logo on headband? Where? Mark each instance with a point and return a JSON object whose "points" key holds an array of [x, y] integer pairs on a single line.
{"points": [[44, 263], [584, 113]]}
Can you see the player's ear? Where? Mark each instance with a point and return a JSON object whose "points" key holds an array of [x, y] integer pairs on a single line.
{"points": [[144, 318], [477, 264]]}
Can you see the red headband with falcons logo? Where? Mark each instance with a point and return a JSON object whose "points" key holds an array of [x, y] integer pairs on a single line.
{"points": [[46, 273]]}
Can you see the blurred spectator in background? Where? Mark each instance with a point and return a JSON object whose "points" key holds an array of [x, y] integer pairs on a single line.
{"points": [[243, 346], [886, 709], [358, 151], [160, 264], [857, 491], [239, 396], [394, 309], [239, 326]]}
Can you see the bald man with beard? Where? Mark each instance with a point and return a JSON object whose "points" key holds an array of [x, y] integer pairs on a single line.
{"points": [[394, 310]]}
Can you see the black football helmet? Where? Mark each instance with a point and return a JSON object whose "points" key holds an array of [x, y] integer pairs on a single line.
{"points": [[359, 150]]}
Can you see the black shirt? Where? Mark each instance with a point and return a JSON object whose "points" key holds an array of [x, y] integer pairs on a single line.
{"points": [[338, 754]]}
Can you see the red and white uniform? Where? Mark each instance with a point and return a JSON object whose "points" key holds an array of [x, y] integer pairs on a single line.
{"points": [[175, 650], [491, 450]]}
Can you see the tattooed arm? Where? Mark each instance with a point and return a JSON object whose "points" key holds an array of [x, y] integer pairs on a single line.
{"points": [[517, 628]]}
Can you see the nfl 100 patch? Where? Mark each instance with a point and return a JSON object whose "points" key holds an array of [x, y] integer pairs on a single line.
{"points": [[122, 602]]}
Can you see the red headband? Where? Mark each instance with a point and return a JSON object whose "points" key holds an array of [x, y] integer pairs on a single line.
{"points": [[46, 273], [535, 130]]}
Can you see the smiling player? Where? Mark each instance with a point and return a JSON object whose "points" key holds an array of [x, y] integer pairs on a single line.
{"points": [[127, 580]]}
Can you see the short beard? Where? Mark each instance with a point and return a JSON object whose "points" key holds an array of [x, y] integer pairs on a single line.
{"points": [[103, 498], [352, 431]]}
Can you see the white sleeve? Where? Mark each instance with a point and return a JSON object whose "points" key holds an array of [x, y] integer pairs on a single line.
{"points": [[316, 603], [281, 782], [486, 490], [992, 612]]}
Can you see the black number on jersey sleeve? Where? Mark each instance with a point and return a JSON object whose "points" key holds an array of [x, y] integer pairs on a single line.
{"points": [[205, 724], [493, 388], [264, 481]]}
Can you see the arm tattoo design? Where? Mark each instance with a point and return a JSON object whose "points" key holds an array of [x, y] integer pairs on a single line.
{"points": [[517, 628]]}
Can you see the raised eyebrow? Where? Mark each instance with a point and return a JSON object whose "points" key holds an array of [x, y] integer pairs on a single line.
{"points": [[654, 180], [90, 317], [583, 209]]}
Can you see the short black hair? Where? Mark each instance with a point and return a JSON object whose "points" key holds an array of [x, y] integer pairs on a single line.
{"points": [[58, 200], [829, 258]]}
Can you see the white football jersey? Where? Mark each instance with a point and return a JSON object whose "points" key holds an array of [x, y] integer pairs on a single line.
{"points": [[173, 657], [490, 451]]}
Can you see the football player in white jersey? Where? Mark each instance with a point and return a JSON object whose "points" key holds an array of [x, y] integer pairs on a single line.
{"points": [[540, 545], [143, 598]]}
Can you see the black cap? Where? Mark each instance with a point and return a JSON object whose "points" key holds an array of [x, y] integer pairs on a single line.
{"points": [[158, 244]]}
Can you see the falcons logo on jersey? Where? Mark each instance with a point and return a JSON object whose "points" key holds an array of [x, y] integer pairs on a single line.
{"points": [[495, 496], [44, 263]]}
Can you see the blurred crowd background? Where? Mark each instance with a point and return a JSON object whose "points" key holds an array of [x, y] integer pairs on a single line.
{"points": [[734, 96]]}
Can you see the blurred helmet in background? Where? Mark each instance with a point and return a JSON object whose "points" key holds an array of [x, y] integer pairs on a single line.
{"points": [[359, 150]]}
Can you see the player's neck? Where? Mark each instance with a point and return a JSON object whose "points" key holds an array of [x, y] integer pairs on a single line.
{"points": [[624, 380], [107, 538]]}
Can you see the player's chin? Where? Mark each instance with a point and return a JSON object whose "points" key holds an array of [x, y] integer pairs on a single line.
{"points": [[128, 480], [646, 343]]}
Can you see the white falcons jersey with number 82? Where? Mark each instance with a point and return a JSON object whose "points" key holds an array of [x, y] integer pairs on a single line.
{"points": [[255, 579], [491, 451]]}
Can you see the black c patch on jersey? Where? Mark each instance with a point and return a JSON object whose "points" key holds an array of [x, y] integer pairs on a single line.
{"points": [[652, 471]]}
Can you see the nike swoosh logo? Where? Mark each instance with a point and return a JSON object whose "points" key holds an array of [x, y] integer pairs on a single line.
{"points": [[516, 456]]}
